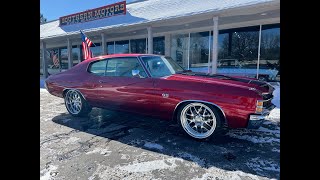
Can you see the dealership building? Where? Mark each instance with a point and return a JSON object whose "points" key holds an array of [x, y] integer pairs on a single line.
{"points": [[233, 37]]}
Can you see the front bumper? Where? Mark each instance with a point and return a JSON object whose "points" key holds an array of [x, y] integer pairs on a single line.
{"points": [[255, 120]]}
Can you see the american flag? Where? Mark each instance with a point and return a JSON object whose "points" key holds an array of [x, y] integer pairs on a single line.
{"points": [[86, 43], [55, 59]]}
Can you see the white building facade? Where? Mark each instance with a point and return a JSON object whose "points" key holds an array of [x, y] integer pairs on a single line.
{"points": [[238, 37]]}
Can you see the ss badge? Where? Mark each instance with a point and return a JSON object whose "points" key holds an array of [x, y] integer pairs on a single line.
{"points": [[165, 95]]}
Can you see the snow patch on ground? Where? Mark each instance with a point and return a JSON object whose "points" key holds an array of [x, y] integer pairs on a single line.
{"points": [[151, 165], [262, 129], [275, 150], [216, 173], [153, 146], [48, 173], [253, 138], [71, 140], [107, 172], [193, 158], [259, 165], [103, 151], [43, 90], [125, 156], [274, 115]]}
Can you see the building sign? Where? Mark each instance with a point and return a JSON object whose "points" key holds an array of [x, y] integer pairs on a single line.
{"points": [[95, 14]]}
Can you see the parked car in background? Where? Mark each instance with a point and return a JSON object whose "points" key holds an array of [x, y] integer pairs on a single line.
{"points": [[232, 67], [157, 86]]}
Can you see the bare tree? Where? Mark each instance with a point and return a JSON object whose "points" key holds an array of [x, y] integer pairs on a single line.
{"points": [[42, 19]]}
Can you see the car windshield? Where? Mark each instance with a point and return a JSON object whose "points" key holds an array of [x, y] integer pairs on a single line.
{"points": [[160, 66]]}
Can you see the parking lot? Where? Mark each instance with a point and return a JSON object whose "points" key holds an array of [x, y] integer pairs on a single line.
{"points": [[116, 145]]}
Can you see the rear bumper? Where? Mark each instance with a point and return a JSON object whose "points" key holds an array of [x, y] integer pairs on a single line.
{"points": [[255, 120]]}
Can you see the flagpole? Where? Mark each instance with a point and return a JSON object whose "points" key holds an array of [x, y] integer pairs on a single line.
{"points": [[89, 38]]}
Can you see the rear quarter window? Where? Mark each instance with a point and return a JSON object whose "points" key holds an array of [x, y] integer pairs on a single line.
{"points": [[98, 68]]}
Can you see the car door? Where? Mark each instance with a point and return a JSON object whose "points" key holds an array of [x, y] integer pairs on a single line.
{"points": [[91, 89], [120, 89]]}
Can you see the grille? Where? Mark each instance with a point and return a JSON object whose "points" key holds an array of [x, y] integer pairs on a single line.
{"points": [[267, 103], [267, 96]]}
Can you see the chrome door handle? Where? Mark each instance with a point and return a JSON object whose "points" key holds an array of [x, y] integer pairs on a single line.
{"points": [[101, 81]]}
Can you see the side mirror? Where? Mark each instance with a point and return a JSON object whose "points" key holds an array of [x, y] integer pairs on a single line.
{"points": [[135, 73]]}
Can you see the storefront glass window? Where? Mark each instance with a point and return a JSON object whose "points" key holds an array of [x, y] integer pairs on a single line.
{"points": [[75, 55], [52, 60], [238, 51], [158, 45], [199, 51], [269, 64], [138, 46], [63, 59], [122, 47], [110, 47], [96, 50], [179, 49], [41, 71]]}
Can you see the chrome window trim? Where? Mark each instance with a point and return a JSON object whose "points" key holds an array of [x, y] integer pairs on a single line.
{"points": [[147, 70], [107, 59]]}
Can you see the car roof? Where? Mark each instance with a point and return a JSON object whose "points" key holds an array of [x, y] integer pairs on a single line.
{"points": [[118, 55]]}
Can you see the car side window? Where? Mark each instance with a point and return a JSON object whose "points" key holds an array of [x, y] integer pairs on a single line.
{"points": [[98, 68], [124, 67]]}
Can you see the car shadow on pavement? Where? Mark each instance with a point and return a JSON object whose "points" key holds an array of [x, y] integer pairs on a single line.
{"points": [[139, 131]]}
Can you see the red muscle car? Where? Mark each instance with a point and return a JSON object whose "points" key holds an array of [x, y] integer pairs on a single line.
{"points": [[157, 86]]}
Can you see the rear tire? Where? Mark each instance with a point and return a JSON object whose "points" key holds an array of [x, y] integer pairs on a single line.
{"points": [[76, 105], [199, 120]]}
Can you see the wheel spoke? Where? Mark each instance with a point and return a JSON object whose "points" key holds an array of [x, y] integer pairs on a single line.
{"points": [[203, 127], [204, 112], [192, 120], [189, 114], [195, 110], [199, 110], [207, 124]]}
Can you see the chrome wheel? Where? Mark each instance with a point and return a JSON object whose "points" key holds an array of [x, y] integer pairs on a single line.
{"points": [[73, 102], [198, 120]]}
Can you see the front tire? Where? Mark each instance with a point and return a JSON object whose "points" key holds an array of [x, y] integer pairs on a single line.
{"points": [[198, 120], [76, 104]]}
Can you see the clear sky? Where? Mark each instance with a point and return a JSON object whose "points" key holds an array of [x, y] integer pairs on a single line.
{"points": [[53, 9]]}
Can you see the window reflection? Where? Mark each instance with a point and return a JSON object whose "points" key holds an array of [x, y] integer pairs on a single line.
{"points": [[41, 71], [158, 45], [110, 47], [52, 61], [75, 55], [269, 66], [199, 51], [63, 59], [138, 46], [238, 51], [96, 50], [179, 49], [122, 47]]}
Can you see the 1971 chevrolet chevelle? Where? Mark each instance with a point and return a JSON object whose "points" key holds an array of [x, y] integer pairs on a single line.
{"points": [[157, 86]]}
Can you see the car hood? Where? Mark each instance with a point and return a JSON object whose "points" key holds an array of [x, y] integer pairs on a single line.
{"points": [[218, 79]]}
